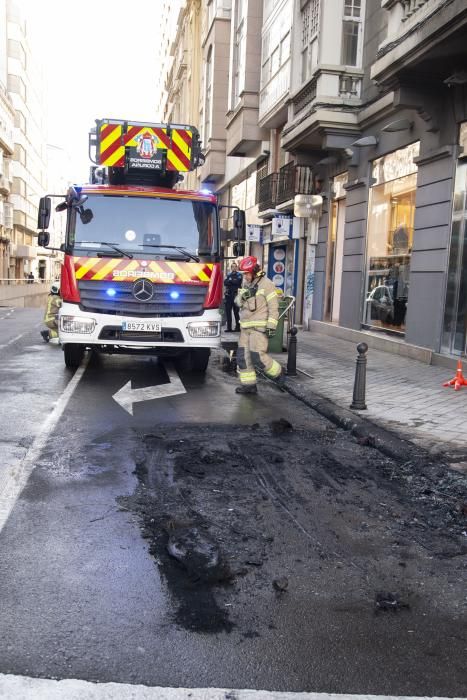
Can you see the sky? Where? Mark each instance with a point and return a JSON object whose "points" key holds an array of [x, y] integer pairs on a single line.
{"points": [[99, 58]]}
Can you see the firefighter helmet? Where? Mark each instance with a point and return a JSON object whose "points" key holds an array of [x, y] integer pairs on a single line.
{"points": [[249, 264], [55, 288]]}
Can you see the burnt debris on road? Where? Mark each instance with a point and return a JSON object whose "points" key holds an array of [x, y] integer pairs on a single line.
{"points": [[238, 511]]}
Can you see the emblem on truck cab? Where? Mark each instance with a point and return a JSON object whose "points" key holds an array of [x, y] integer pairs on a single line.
{"points": [[143, 290]]}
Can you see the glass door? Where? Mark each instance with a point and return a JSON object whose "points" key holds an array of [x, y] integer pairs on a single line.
{"points": [[455, 310]]}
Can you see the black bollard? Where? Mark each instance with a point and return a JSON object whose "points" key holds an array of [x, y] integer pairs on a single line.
{"points": [[359, 388], [292, 353]]}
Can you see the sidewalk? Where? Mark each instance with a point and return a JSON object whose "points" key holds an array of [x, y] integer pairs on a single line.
{"points": [[402, 394]]}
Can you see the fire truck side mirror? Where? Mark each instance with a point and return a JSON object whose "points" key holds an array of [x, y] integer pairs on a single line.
{"points": [[43, 219], [43, 239], [239, 222], [238, 250]]}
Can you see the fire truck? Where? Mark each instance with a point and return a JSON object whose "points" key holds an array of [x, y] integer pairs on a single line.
{"points": [[142, 257]]}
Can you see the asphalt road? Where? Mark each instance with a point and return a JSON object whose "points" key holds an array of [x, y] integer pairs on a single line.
{"points": [[88, 590]]}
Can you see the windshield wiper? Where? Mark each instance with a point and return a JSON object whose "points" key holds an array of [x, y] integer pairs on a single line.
{"points": [[123, 253], [184, 252]]}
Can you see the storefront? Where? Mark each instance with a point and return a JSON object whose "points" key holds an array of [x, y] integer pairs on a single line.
{"points": [[454, 339], [391, 215]]}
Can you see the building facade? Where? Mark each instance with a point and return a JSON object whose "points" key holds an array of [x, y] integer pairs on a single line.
{"points": [[7, 116], [341, 127], [29, 169]]}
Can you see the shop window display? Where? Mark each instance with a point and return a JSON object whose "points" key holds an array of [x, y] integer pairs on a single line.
{"points": [[390, 240]]}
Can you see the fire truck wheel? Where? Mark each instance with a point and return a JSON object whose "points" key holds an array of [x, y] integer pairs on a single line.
{"points": [[195, 360], [200, 359], [73, 355]]}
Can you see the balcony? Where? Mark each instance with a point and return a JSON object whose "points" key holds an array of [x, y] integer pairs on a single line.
{"points": [[243, 132], [272, 95], [423, 36], [267, 192], [294, 179]]}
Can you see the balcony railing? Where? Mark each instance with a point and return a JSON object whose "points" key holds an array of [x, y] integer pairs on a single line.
{"points": [[294, 179], [267, 192]]}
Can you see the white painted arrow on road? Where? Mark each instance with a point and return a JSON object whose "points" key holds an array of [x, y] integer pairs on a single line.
{"points": [[126, 396]]}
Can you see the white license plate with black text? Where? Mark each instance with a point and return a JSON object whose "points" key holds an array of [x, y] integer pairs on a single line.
{"points": [[144, 326]]}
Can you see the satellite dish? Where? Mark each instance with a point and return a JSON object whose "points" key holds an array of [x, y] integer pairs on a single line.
{"points": [[306, 205]]}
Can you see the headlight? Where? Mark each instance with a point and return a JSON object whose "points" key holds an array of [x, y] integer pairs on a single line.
{"points": [[77, 324], [204, 329]]}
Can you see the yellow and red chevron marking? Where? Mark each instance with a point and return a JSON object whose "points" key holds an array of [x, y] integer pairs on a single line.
{"points": [[113, 142], [111, 148], [157, 271], [179, 156]]}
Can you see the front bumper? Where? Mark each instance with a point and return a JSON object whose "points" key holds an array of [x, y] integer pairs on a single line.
{"points": [[106, 332]]}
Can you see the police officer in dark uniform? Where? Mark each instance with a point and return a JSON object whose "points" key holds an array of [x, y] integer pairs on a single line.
{"points": [[232, 284]]}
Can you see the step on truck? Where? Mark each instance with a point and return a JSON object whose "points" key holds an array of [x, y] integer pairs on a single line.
{"points": [[142, 257]]}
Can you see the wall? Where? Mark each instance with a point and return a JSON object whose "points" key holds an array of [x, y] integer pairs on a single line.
{"points": [[21, 295]]}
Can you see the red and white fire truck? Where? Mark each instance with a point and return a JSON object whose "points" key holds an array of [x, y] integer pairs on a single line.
{"points": [[141, 270]]}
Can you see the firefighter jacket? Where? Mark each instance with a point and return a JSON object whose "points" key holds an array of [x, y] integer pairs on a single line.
{"points": [[51, 313], [259, 304]]}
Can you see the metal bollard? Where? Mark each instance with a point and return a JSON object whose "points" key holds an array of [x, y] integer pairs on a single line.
{"points": [[292, 353], [359, 388]]}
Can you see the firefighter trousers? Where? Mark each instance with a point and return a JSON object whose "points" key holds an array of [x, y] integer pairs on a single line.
{"points": [[252, 353], [52, 325]]}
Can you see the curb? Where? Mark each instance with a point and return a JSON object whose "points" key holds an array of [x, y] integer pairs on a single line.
{"points": [[388, 443]]}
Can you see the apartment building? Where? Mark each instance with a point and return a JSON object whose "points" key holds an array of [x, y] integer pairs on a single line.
{"points": [[27, 94], [7, 116], [359, 107], [169, 19]]}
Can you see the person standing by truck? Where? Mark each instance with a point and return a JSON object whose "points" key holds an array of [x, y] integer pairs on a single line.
{"points": [[232, 284], [259, 315], [51, 315]]}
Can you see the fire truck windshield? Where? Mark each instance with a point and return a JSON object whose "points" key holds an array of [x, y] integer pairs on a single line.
{"points": [[147, 224]]}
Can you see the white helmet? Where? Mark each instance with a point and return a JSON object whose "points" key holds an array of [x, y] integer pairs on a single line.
{"points": [[55, 288]]}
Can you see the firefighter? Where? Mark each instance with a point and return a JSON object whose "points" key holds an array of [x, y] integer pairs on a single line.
{"points": [[51, 315], [259, 313]]}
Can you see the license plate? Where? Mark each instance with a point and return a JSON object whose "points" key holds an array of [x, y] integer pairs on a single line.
{"points": [[144, 326]]}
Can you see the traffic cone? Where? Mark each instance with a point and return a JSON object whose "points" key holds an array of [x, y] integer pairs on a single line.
{"points": [[459, 380]]}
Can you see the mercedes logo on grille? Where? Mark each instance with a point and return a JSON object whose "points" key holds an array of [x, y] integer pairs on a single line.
{"points": [[143, 290]]}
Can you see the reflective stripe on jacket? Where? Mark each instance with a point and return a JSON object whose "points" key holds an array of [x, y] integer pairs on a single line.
{"points": [[262, 310]]}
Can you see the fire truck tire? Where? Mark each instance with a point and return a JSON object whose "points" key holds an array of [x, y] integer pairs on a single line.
{"points": [[195, 360], [73, 355], [200, 360]]}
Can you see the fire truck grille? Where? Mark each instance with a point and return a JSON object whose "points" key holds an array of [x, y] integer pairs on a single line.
{"points": [[94, 297]]}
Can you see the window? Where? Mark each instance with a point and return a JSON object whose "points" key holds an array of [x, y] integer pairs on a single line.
{"points": [[238, 62], [20, 154], [208, 97], [16, 84], [390, 238], [351, 32], [310, 28], [20, 121], [275, 50], [8, 215], [19, 186]]}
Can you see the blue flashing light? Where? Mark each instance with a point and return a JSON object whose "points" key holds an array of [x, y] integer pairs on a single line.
{"points": [[205, 191], [174, 295], [111, 292]]}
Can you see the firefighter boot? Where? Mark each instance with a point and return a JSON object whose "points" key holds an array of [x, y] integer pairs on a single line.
{"points": [[247, 389], [280, 380], [45, 336]]}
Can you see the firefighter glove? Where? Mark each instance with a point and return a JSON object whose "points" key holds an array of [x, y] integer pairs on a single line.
{"points": [[270, 332]]}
